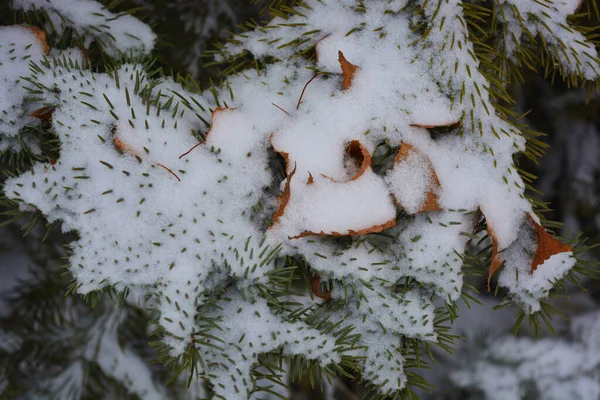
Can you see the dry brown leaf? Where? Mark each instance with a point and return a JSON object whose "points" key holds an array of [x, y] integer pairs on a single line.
{"points": [[41, 35], [348, 70], [360, 156], [429, 126], [84, 56], [286, 156], [315, 287], [354, 150], [431, 198], [284, 197], [547, 245], [213, 117], [372, 229], [359, 153], [496, 262], [44, 114], [546, 248]]}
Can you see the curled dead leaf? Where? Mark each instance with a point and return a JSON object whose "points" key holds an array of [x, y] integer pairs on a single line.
{"points": [[431, 198], [348, 70], [315, 285], [547, 245], [372, 229], [41, 35], [44, 114], [358, 155], [436, 125], [284, 197], [496, 261], [84, 56]]}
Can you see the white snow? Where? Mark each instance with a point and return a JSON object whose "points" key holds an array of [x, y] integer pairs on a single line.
{"points": [[18, 46], [410, 181], [547, 20], [176, 220], [90, 19]]}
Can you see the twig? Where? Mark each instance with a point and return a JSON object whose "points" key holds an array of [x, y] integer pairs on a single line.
{"points": [[190, 150], [281, 108], [303, 89], [174, 174]]}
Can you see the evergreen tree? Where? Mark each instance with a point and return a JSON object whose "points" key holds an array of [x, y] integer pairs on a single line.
{"points": [[314, 212]]}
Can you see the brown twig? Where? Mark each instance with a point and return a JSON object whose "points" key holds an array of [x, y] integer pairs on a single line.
{"points": [[281, 108], [303, 89], [174, 174], [190, 150]]}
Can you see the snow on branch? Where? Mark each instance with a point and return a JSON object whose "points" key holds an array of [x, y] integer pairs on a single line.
{"points": [[18, 46], [175, 196], [116, 33], [546, 21]]}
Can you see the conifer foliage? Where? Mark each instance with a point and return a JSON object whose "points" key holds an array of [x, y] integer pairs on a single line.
{"points": [[312, 212]]}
